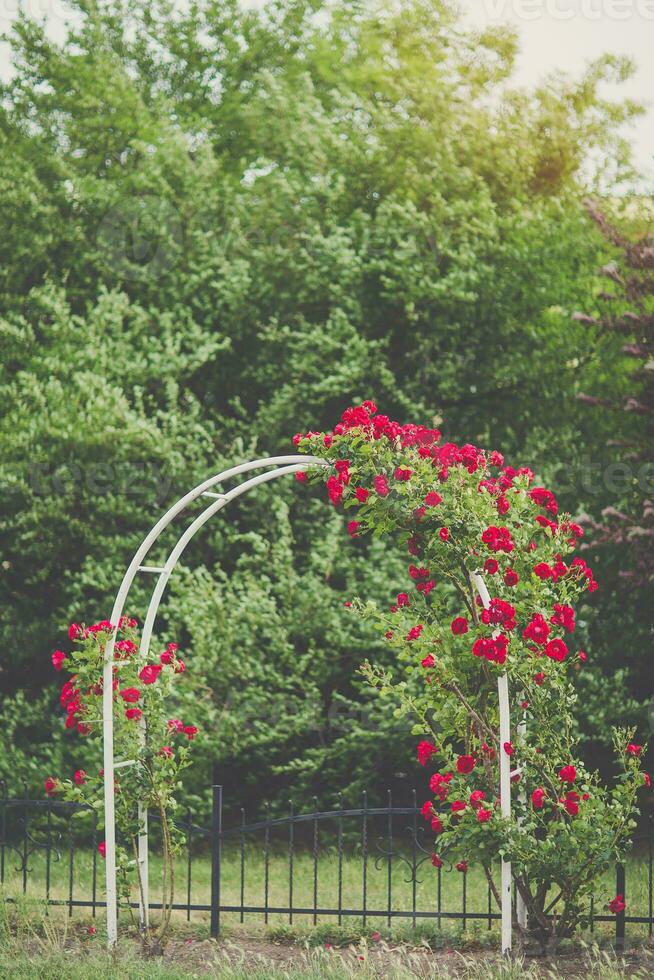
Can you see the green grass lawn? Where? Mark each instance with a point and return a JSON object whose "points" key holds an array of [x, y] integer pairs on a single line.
{"points": [[251, 888]]}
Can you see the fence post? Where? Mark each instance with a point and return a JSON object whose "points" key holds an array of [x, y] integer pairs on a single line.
{"points": [[216, 849], [620, 889]]}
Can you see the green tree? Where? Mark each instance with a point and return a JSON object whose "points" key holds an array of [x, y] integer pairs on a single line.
{"points": [[225, 225]]}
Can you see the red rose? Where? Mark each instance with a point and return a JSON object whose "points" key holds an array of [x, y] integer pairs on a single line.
{"points": [[563, 616], [361, 494], [425, 751], [415, 632], [58, 658], [402, 599], [68, 693], [102, 849], [556, 650], [74, 631], [511, 578], [427, 810], [439, 784], [508, 748], [498, 539], [433, 499], [190, 731], [428, 661], [179, 666], [476, 798], [648, 781], [436, 861], [353, 529], [483, 816], [125, 647], [536, 630], [459, 625], [381, 486], [539, 678], [166, 752], [301, 476], [568, 774], [499, 613], [617, 904], [544, 498], [80, 777], [465, 763], [334, 490], [571, 804], [458, 806], [543, 571], [402, 474], [634, 749], [51, 786], [150, 673], [133, 714], [436, 825], [538, 798], [130, 695], [491, 565], [444, 533], [462, 866]]}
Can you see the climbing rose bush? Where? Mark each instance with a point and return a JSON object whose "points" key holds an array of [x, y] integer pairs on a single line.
{"points": [[456, 511], [155, 744]]}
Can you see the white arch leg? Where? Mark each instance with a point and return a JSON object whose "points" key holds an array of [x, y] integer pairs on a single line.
{"points": [[521, 908], [505, 781]]}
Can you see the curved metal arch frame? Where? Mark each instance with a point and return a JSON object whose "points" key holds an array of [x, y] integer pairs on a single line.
{"points": [[285, 465]]}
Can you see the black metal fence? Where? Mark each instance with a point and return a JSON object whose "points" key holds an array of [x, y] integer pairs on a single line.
{"points": [[369, 863]]}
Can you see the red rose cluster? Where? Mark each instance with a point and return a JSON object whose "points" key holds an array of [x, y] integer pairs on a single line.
{"points": [[78, 702]]}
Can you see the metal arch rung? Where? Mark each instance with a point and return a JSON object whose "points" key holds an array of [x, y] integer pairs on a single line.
{"points": [[151, 568], [126, 762], [217, 496]]}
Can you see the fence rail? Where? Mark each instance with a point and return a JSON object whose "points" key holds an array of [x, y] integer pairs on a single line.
{"points": [[365, 862]]}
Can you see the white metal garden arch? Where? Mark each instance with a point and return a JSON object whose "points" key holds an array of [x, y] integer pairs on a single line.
{"points": [[282, 466]]}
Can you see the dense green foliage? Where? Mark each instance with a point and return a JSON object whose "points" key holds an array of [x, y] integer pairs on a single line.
{"points": [[220, 227]]}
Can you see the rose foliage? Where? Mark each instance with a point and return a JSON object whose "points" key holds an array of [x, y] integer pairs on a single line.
{"points": [[155, 746], [457, 511]]}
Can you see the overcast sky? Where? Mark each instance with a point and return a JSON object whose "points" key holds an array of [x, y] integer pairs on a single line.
{"points": [[554, 34]]}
